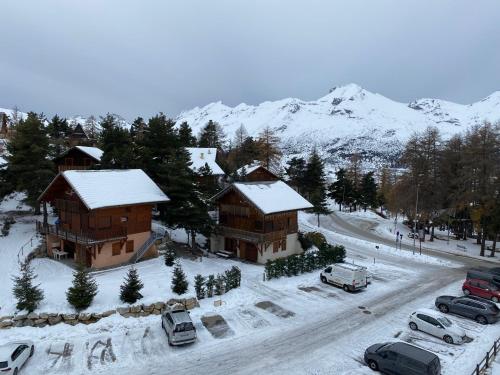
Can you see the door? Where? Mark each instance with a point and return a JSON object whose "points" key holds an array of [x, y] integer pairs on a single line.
{"points": [[484, 288], [436, 327], [424, 324], [462, 307], [388, 362], [251, 251]]}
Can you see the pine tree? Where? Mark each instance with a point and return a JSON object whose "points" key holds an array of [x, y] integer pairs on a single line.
{"points": [[368, 191], [342, 189], [179, 280], [57, 130], [137, 129], [268, 143], [169, 256], [199, 286], [186, 137], [116, 144], [316, 185], [90, 127], [29, 169], [210, 285], [28, 295], [81, 294], [212, 135], [130, 289], [219, 285], [296, 171]]}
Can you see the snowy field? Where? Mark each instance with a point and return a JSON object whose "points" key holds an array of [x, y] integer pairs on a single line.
{"points": [[310, 327]]}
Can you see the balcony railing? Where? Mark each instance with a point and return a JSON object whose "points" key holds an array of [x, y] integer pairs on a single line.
{"points": [[87, 237], [251, 236]]}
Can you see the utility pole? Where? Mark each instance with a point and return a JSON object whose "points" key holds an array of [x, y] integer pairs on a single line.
{"points": [[415, 221]]}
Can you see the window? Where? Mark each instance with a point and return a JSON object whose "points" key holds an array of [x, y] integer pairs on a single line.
{"points": [[117, 248], [276, 246], [476, 305], [283, 244], [124, 219], [269, 226], [130, 246], [328, 270], [104, 222], [258, 225]]}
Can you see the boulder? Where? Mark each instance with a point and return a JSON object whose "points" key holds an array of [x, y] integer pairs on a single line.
{"points": [[44, 316], [18, 323], [191, 303], [7, 317], [144, 313], [148, 308], [28, 323], [40, 323], [6, 324], [159, 305], [54, 319], [72, 322], [96, 316], [105, 314], [52, 315], [135, 309], [126, 314], [156, 312], [20, 317], [123, 310], [68, 317], [33, 316], [83, 317]]}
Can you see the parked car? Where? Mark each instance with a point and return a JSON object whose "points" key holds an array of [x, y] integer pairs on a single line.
{"points": [[487, 274], [413, 235], [480, 310], [349, 277], [178, 326], [13, 356], [481, 288], [400, 358], [369, 275], [436, 324]]}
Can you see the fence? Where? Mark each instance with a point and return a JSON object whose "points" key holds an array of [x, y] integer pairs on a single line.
{"points": [[28, 248], [488, 359]]}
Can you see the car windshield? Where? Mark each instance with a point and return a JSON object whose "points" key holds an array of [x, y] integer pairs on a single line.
{"points": [[444, 321], [385, 346], [183, 327], [3, 364]]}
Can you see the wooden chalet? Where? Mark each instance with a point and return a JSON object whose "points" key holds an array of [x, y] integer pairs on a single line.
{"points": [[78, 158], [257, 221], [78, 137], [104, 217], [256, 172]]}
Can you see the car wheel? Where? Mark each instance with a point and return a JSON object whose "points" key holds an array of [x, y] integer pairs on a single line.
{"points": [[413, 326], [481, 319], [373, 365], [448, 339], [494, 299], [466, 292], [323, 279], [346, 288], [32, 350], [443, 308]]}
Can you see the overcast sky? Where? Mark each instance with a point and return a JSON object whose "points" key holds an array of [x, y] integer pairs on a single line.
{"points": [[141, 57]]}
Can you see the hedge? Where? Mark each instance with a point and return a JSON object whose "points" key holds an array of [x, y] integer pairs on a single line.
{"points": [[296, 264]]}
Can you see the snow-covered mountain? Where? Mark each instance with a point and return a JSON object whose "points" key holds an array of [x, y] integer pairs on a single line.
{"points": [[349, 119]]}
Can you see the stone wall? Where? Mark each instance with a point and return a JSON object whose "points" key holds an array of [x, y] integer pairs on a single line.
{"points": [[45, 319]]}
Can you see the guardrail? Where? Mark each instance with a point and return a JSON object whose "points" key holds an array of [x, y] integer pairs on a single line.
{"points": [[488, 359]]}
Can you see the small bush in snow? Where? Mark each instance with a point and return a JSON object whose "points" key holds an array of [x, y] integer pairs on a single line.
{"points": [[81, 294], [28, 295], [317, 239], [219, 285], [199, 286], [9, 220], [179, 280], [130, 289], [210, 285], [169, 256]]}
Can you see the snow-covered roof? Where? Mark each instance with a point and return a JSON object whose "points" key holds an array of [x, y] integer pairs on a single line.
{"points": [[93, 152], [248, 168], [204, 155], [273, 196], [109, 188]]}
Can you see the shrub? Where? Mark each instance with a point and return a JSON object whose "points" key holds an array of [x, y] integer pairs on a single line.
{"points": [[305, 242], [317, 238], [210, 285], [179, 281], [199, 286], [131, 287], [81, 294]]}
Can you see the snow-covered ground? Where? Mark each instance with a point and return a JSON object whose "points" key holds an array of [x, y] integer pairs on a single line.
{"points": [[388, 228], [326, 330]]}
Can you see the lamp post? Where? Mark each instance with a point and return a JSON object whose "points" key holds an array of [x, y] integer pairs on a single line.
{"points": [[415, 221]]}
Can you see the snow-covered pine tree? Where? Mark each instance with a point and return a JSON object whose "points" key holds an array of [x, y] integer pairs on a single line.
{"points": [[28, 295], [130, 289], [169, 256], [199, 286], [81, 294], [219, 285], [179, 280]]}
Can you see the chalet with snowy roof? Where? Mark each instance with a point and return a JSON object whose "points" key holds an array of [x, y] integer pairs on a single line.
{"points": [[257, 221], [256, 172], [201, 156], [104, 217], [78, 136], [78, 158]]}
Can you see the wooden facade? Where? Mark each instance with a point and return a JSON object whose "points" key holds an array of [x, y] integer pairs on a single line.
{"points": [[97, 238], [245, 228], [261, 174], [75, 159]]}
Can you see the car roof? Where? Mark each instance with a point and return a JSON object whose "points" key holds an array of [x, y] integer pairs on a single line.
{"points": [[348, 266], [430, 312], [180, 316], [479, 299], [413, 352]]}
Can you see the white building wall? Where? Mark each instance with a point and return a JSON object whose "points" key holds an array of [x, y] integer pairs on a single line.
{"points": [[292, 247]]}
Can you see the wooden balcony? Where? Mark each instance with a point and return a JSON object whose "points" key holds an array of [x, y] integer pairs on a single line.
{"points": [[88, 237], [248, 236]]}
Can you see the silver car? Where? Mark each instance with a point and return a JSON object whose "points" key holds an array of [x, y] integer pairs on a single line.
{"points": [[178, 326], [14, 355]]}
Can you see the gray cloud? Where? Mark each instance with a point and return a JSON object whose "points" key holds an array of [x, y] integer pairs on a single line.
{"points": [[141, 57]]}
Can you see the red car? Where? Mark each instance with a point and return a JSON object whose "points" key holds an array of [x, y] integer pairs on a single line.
{"points": [[481, 288]]}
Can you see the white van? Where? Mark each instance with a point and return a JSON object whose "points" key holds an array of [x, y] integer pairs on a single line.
{"points": [[348, 276]]}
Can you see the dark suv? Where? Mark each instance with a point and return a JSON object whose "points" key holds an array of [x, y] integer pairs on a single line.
{"points": [[476, 308], [400, 358]]}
